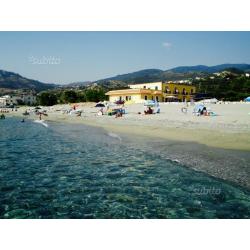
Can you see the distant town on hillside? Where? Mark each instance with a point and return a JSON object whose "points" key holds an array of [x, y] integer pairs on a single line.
{"points": [[226, 81]]}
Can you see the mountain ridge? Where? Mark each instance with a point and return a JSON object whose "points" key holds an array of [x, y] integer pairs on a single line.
{"points": [[14, 81], [176, 73], [211, 69]]}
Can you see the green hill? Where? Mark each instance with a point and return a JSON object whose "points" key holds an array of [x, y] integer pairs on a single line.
{"points": [[13, 81]]}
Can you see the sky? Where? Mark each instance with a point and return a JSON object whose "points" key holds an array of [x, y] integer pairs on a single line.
{"points": [[66, 57]]}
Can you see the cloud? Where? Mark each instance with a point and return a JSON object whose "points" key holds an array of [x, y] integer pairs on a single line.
{"points": [[167, 44]]}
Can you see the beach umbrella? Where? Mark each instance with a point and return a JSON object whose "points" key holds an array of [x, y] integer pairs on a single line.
{"points": [[149, 103], [100, 105], [198, 107], [247, 99], [119, 102]]}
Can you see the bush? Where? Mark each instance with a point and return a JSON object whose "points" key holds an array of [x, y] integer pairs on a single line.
{"points": [[93, 95], [47, 99], [69, 96]]}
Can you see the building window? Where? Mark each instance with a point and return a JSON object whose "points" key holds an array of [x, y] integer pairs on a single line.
{"points": [[192, 91], [156, 87], [120, 98], [144, 87], [145, 97], [157, 98], [126, 98]]}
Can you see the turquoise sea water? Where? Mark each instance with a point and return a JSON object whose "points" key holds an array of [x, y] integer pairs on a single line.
{"points": [[76, 171]]}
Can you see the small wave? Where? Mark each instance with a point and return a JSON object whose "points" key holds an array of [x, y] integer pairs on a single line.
{"points": [[114, 136], [176, 160], [42, 123]]}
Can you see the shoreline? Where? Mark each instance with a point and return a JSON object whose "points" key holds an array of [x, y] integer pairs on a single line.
{"points": [[228, 135], [223, 155], [211, 138]]}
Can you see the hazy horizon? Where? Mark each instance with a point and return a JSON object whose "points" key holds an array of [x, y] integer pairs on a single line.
{"points": [[66, 57]]}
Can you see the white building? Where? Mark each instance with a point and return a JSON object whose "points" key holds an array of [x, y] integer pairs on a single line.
{"points": [[2, 102], [28, 99], [5, 100]]}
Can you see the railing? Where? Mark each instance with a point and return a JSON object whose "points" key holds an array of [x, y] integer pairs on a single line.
{"points": [[178, 93], [169, 94]]}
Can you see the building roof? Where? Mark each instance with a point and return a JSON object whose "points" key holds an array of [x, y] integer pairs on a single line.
{"points": [[132, 91], [177, 83], [144, 83]]}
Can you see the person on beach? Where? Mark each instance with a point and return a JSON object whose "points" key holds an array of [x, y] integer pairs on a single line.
{"points": [[204, 111], [118, 114], [149, 111], [101, 112]]}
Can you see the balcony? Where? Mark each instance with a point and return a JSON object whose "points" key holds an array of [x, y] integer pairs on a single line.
{"points": [[167, 92]]}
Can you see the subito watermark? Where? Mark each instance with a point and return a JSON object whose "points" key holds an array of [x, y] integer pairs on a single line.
{"points": [[44, 60], [207, 191]]}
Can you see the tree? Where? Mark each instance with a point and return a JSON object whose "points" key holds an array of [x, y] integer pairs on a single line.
{"points": [[81, 96], [228, 87], [47, 99], [95, 95], [69, 96]]}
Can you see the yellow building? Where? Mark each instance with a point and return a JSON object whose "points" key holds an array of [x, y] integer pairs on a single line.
{"points": [[158, 91]]}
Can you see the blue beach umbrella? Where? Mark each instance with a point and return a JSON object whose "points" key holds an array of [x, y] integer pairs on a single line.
{"points": [[149, 103], [247, 99], [198, 107]]}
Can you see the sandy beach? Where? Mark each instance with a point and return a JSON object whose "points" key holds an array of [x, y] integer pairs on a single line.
{"points": [[217, 145], [230, 129]]}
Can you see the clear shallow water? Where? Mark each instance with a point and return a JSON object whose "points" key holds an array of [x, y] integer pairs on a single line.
{"points": [[75, 171]]}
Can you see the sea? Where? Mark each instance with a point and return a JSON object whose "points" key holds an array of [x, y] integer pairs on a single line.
{"points": [[77, 171]]}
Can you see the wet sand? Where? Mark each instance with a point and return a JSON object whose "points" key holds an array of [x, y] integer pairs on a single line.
{"points": [[230, 165]]}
